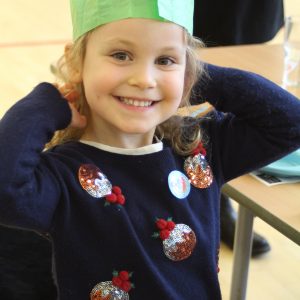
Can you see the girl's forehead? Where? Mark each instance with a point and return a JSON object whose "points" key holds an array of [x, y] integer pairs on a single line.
{"points": [[135, 30]]}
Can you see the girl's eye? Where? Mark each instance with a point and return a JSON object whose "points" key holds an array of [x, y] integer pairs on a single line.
{"points": [[165, 61], [121, 56]]}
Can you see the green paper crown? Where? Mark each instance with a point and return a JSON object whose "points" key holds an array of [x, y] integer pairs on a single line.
{"points": [[89, 14]]}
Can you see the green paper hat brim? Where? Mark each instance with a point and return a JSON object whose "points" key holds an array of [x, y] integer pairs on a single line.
{"points": [[89, 14]]}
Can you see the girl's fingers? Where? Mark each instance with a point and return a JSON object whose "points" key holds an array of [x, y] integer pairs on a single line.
{"points": [[68, 92], [78, 120], [71, 95]]}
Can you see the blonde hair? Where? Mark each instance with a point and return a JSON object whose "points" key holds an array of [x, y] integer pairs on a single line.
{"points": [[182, 132]]}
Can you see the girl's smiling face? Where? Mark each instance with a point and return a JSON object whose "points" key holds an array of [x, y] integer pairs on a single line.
{"points": [[133, 77]]}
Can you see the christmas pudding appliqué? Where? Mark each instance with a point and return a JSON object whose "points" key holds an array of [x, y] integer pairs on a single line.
{"points": [[179, 240], [116, 289], [97, 185], [197, 168]]}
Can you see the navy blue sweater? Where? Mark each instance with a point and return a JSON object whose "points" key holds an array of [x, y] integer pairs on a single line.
{"points": [[255, 122]]}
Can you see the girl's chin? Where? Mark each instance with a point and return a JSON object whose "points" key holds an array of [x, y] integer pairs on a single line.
{"points": [[137, 133]]}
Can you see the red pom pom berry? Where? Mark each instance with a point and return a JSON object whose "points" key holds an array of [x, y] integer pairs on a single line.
{"points": [[124, 275], [117, 190], [126, 286], [170, 225], [203, 151], [112, 198], [117, 281], [161, 224], [164, 234], [200, 149], [196, 151], [121, 199]]}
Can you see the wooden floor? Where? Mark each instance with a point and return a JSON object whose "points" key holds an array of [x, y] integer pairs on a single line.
{"points": [[32, 35]]}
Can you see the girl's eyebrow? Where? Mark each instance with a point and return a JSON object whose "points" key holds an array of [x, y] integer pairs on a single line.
{"points": [[119, 41], [132, 44]]}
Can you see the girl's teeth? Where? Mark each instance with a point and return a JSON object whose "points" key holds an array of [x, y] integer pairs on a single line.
{"points": [[132, 102]]}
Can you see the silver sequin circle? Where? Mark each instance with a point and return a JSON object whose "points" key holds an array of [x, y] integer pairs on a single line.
{"points": [[94, 181], [180, 244], [105, 289], [198, 171]]}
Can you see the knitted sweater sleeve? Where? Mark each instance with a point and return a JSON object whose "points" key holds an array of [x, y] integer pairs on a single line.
{"points": [[255, 121], [29, 191]]}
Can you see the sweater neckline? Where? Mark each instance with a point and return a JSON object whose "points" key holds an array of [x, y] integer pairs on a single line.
{"points": [[152, 148]]}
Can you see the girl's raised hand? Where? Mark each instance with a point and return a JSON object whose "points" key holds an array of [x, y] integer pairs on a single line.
{"points": [[78, 120], [71, 95]]}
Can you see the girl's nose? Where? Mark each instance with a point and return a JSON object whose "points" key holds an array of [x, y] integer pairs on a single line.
{"points": [[143, 77]]}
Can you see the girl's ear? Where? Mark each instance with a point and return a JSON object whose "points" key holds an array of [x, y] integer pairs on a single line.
{"points": [[72, 68]]}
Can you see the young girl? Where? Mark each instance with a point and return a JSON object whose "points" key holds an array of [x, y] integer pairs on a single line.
{"points": [[128, 193]]}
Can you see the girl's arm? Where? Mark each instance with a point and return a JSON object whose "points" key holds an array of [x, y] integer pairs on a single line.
{"points": [[255, 122], [29, 191]]}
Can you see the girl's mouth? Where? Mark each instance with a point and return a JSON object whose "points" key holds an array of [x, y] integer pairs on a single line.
{"points": [[135, 102]]}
